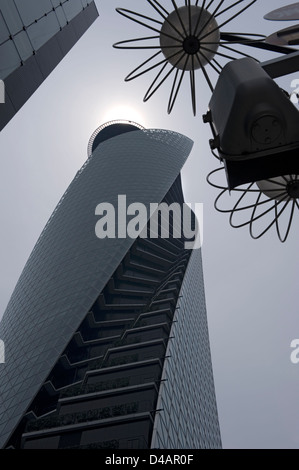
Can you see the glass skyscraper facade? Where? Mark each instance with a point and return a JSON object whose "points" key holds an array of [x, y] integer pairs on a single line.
{"points": [[107, 340], [189, 417], [35, 35]]}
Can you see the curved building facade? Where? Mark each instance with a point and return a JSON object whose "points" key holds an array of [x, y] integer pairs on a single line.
{"points": [[90, 321]]}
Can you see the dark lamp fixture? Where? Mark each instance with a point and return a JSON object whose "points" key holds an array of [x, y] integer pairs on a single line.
{"points": [[254, 124]]}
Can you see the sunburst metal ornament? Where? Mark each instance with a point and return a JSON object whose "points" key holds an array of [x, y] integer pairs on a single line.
{"points": [[259, 206], [255, 129], [189, 38]]}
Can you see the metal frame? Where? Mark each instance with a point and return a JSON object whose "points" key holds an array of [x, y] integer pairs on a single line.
{"points": [[278, 67], [228, 42], [282, 66], [279, 207], [285, 65]]}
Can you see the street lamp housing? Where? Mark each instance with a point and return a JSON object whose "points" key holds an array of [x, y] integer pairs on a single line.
{"points": [[254, 124]]}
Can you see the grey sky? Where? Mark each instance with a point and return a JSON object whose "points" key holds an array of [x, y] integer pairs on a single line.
{"points": [[251, 286]]}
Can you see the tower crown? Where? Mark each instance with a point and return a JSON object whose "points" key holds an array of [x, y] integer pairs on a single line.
{"points": [[110, 129]]}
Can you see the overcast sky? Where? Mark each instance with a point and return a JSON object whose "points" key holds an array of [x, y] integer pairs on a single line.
{"points": [[251, 286]]}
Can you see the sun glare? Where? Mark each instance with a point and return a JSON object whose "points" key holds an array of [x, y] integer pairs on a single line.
{"points": [[124, 112]]}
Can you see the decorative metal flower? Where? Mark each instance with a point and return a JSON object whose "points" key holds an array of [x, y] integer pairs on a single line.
{"points": [[272, 202], [189, 38]]}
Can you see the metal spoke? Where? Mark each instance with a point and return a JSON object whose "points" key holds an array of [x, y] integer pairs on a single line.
{"points": [[235, 209], [286, 180], [251, 206], [276, 182], [257, 218], [188, 4], [205, 73], [283, 239], [229, 8], [199, 16], [229, 20], [125, 12], [150, 92], [252, 218], [130, 77], [218, 53], [258, 44], [166, 19], [272, 223], [179, 16], [145, 98], [121, 44], [250, 42], [279, 206], [218, 64], [211, 2], [247, 34], [209, 62], [174, 94], [236, 51], [122, 11], [159, 5], [209, 21], [217, 199], [257, 204], [172, 91], [192, 86]]}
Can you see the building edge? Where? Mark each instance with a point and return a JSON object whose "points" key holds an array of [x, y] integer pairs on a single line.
{"points": [[26, 79]]}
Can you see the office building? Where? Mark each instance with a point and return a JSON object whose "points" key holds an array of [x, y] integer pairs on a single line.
{"points": [[35, 35], [106, 340]]}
